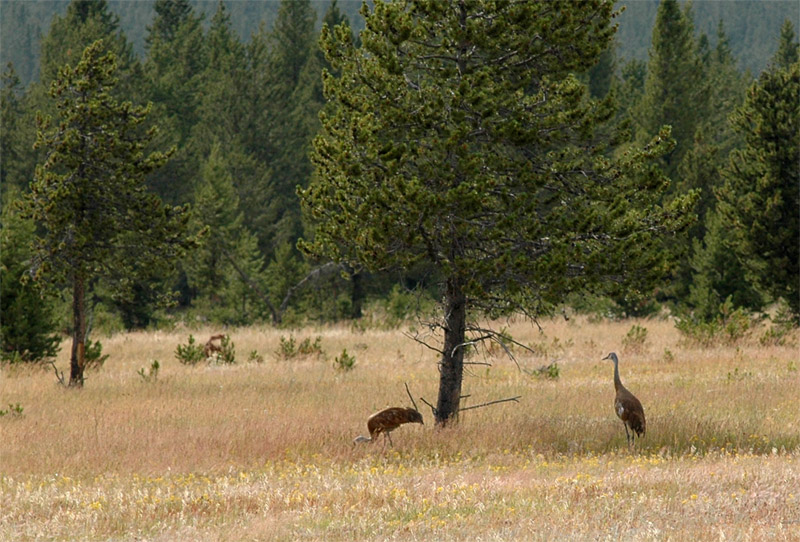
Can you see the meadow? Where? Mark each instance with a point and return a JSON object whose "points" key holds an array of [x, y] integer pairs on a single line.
{"points": [[262, 449]]}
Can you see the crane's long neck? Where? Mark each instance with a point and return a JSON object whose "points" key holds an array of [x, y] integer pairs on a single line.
{"points": [[617, 381]]}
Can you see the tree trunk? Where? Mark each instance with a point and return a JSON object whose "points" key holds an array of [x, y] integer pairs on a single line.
{"points": [[357, 296], [78, 358], [452, 366]]}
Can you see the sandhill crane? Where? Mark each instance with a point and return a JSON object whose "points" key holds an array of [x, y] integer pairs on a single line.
{"points": [[627, 407], [386, 421]]}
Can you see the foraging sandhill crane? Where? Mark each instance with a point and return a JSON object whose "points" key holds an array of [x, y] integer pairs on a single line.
{"points": [[386, 421], [627, 407]]}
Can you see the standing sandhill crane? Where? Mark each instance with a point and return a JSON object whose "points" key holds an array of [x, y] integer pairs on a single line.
{"points": [[386, 421], [628, 407]]}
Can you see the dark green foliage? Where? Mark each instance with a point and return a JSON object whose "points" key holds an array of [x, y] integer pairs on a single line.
{"points": [[17, 157], [718, 275], [97, 219], [222, 268], [673, 88], [177, 57], [761, 195], [28, 326], [441, 147], [788, 51], [85, 22]]}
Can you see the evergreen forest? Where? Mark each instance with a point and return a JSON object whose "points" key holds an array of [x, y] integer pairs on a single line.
{"points": [[295, 162]]}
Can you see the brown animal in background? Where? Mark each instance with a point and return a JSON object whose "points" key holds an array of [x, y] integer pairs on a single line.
{"points": [[627, 407], [388, 420], [211, 348]]}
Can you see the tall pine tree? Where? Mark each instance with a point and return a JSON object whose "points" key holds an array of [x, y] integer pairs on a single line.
{"points": [[98, 221], [761, 193], [455, 140]]}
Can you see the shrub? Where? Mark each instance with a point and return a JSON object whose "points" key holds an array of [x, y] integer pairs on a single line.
{"points": [[289, 348], [94, 354], [345, 362], [14, 410], [730, 327], [152, 374], [549, 372], [190, 353], [635, 339]]}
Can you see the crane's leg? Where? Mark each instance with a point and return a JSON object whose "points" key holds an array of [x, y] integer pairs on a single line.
{"points": [[627, 435], [390, 439]]}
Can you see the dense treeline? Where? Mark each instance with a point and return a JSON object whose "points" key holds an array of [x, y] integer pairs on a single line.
{"points": [[751, 25], [230, 129]]}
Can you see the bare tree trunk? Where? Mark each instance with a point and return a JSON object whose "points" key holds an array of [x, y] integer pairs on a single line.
{"points": [[78, 358], [452, 365]]}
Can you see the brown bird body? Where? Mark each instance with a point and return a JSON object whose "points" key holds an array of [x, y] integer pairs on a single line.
{"points": [[387, 420], [628, 408]]}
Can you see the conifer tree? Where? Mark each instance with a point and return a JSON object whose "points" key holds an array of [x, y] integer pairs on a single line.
{"points": [[17, 134], [673, 89], [456, 137], [177, 57], [228, 259], [788, 51], [28, 326], [85, 22], [761, 193], [89, 198]]}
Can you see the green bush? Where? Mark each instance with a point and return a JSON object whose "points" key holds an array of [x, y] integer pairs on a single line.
{"points": [[152, 374], [190, 353], [289, 348], [345, 362], [731, 326]]}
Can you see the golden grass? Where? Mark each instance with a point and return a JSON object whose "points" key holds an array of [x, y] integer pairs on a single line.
{"points": [[262, 451]]}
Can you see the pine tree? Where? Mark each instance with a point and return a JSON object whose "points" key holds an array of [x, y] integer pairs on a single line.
{"points": [[228, 260], [453, 139], [17, 134], [85, 22], [28, 326], [98, 222], [761, 193], [673, 89], [289, 116], [177, 57], [788, 51]]}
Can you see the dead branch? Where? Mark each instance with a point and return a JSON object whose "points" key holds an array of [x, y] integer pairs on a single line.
{"points": [[59, 375], [410, 397], [253, 285], [515, 399], [433, 408], [417, 338], [313, 274], [277, 313]]}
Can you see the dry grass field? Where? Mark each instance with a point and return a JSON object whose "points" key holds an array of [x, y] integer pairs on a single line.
{"points": [[262, 450]]}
